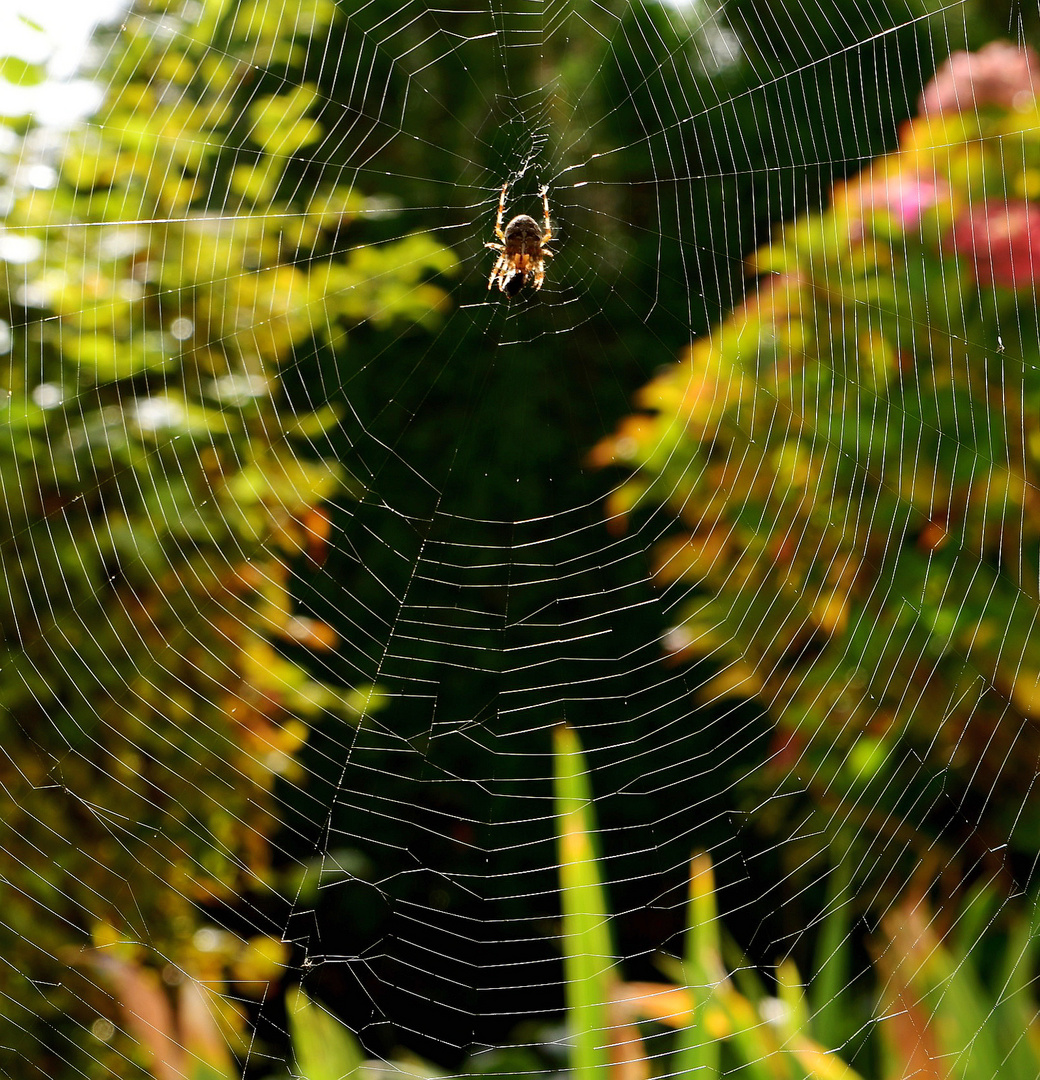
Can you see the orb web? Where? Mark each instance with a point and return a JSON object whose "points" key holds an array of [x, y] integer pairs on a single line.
{"points": [[314, 540]]}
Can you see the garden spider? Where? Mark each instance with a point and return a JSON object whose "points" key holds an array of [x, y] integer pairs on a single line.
{"points": [[522, 248]]}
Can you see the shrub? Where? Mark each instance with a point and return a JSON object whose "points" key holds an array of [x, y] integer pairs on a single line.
{"points": [[852, 459], [160, 475]]}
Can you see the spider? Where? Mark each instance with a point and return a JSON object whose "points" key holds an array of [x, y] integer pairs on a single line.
{"points": [[522, 249]]}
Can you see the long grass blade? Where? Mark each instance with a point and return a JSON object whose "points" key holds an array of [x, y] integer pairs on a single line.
{"points": [[588, 958], [697, 1054], [827, 990]]}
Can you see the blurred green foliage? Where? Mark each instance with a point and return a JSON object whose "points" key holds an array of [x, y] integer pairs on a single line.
{"points": [[852, 458], [955, 994], [958, 991], [159, 479], [725, 1024]]}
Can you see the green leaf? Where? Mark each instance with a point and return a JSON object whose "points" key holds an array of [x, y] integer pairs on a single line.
{"points": [[697, 1053], [323, 1047], [19, 72], [832, 960], [279, 122], [203, 1070], [588, 960]]}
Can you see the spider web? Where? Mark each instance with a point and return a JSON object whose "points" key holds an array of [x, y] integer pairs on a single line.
{"points": [[475, 566]]}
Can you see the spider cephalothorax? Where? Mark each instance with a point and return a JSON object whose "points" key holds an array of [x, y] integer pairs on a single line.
{"points": [[521, 247]]}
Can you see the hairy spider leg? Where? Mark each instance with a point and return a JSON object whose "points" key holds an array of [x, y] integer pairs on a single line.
{"points": [[501, 265], [502, 212]]}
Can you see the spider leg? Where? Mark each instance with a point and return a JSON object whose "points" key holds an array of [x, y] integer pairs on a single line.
{"points": [[501, 212], [548, 234], [498, 272], [495, 247]]}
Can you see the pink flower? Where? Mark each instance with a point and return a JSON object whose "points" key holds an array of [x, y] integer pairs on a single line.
{"points": [[1002, 240], [903, 196], [1000, 74]]}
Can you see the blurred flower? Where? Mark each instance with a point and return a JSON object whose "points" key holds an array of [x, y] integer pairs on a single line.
{"points": [[907, 198], [1002, 240], [904, 197], [999, 74]]}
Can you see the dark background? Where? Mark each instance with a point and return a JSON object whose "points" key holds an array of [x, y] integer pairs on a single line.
{"points": [[474, 579]]}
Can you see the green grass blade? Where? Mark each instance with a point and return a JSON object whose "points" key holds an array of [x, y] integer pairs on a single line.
{"points": [[751, 1038], [827, 990], [741, 970], [697, 1053], [791, 994], [588, 959]]}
